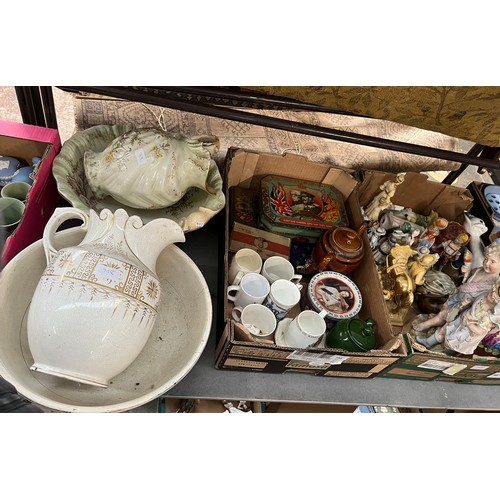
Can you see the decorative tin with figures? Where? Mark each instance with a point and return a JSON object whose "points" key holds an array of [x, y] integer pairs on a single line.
{"points": [[294, 207]]}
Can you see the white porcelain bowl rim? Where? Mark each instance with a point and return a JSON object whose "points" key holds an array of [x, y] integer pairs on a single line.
{"points": [[153, 373]]}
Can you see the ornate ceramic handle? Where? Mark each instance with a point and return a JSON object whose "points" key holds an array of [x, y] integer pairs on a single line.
{"points": [[59, 216]]}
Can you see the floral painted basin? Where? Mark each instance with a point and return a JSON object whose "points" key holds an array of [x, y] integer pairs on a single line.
{"points": [[191, 212]]}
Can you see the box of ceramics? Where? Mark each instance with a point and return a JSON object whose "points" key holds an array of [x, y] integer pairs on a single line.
{"points": [[307, 306], [439, 279], [28, 189]]}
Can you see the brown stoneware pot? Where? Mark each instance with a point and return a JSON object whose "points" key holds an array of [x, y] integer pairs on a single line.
{"points": [[340, 249]]}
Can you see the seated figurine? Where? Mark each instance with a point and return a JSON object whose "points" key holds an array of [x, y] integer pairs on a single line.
{"points": [[464, 333], [480, 281]]}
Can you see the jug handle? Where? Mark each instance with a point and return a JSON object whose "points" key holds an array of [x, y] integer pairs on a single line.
{"points": [[59, 216]]}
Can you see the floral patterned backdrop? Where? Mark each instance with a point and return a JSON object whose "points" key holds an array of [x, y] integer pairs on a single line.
{"points": [[469, 113]]}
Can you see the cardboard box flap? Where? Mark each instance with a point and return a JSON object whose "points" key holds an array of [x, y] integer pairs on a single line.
{"points": [[253, 166], [420, 193]]}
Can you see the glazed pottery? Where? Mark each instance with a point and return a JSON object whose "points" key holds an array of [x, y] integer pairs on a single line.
{"points": [[11, 213], [283, 296], [353, 335], [96, 303], [191, 212], [24, 174], [305, 330], [174, 346], [244, 261], [332, 293], [340, 249], [257, 319], [18, 190], [8, 167], [148, 168]]}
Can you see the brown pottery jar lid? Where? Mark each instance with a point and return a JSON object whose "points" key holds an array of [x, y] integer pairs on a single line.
{"points": [[346, 239]]}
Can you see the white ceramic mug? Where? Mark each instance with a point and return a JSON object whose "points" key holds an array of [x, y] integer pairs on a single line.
{"points": [[244, 261], [282, 297], [257, 319], [305, 330], [279, 268], [253, 289]]}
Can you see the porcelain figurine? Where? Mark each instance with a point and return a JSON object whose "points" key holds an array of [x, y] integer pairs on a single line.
{"points": [[149, 168], [464, 333], [96, 303], [383, 200], [397, 284], [475, 227], [428, 237], [417, 268], [480, 281], [450, 242], [375, 232]]}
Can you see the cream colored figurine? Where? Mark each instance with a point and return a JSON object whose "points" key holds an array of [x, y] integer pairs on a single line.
{"points": [[417, 268], [480, 281], [383, 200], [464, 333]]}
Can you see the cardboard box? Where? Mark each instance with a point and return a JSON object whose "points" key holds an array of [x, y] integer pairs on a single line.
{"points": [[25, 142], [263, 242], [246, 169], [422, 195]]}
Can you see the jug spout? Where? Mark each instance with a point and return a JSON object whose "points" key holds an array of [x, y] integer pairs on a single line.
{"points": [[148, 241]]}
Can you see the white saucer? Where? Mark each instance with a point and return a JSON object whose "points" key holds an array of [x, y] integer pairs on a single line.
{"points": [[279, 339], [174, 346]]}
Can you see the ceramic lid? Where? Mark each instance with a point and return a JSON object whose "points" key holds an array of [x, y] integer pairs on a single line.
{"points": [[347, 240], [8, 167], [335, 293], [361, 333]]}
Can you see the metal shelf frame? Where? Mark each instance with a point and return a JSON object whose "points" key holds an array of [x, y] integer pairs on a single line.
{"points": [[205, 247]]}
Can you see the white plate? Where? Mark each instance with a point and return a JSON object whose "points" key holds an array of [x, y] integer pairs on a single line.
{"points": [[174, 346], [279, 337], [192, 212]]}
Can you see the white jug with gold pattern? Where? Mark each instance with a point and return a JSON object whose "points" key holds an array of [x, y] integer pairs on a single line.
{"points": [[96, 303]]}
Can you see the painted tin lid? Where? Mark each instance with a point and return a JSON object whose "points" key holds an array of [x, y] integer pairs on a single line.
{"points": [[294, 202], [290, 231], [335, 293]]}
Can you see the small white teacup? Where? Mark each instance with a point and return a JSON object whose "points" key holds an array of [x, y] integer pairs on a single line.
{"points": [[279, 268], [244, 261], [257, 319], [253, 289], [282, 297], [305, 330]]}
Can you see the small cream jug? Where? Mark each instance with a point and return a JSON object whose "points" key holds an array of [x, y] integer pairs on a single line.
{"points": [[96, 303]]}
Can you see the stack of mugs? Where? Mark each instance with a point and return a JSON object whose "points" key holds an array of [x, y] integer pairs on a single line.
{"points": [[15, 183], [263, 293]]}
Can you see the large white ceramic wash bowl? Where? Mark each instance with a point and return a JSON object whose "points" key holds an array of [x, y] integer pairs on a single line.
{"points": [[174, 346]]}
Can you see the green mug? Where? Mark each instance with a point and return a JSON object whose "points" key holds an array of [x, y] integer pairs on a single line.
{"points": [[18, 190], [11, 213]]}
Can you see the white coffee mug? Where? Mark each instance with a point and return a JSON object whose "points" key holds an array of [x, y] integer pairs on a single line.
{"points": [[282, 297], [253, 289], [244, 261], [305, 330], [257, 319], [278, 268]]}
